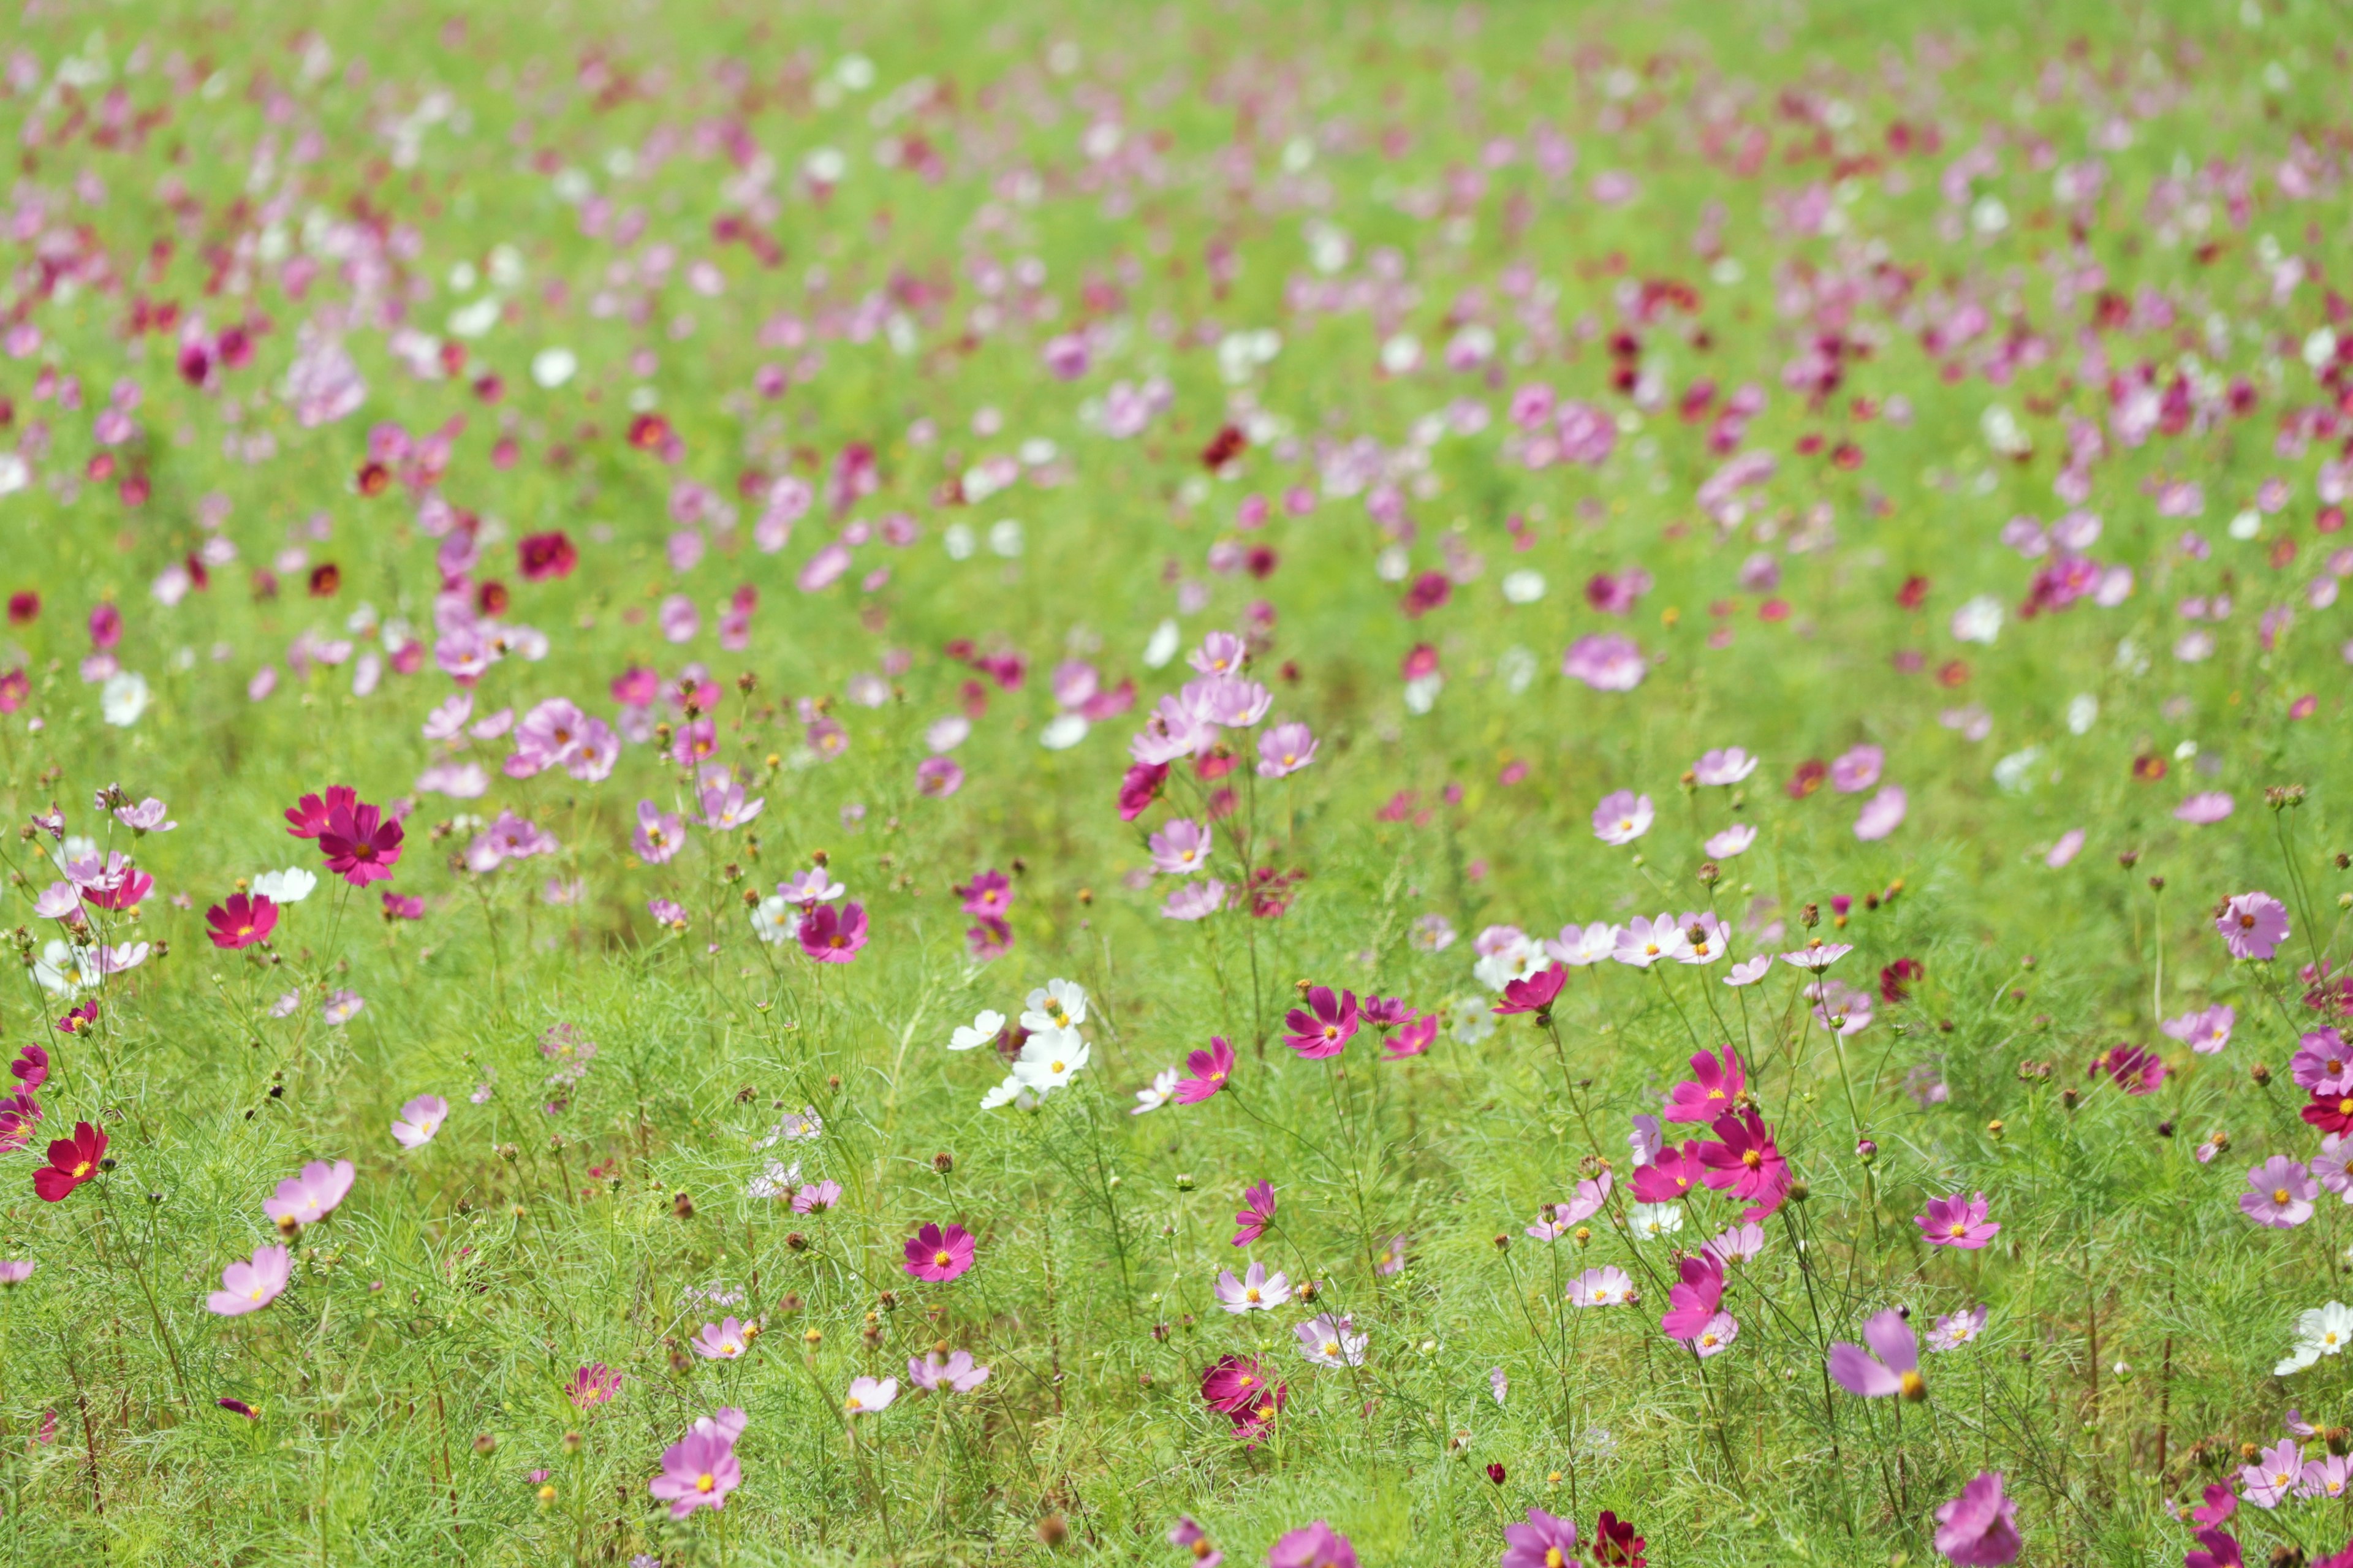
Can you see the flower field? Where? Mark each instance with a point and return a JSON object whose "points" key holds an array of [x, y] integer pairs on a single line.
{"points": [[1242, 782]]}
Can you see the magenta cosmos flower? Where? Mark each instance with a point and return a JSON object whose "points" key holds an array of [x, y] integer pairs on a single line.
{"points": [[1693, 1302], [241, 919], [2253, 924], [1896, 1369], [1979, 1529], [1746, 1164], [1210, 1069], [939, 1254], [698, 1471], [834, 937], [1949, 1222], [307, 818], [362, 846], [1716, 1082], [1536, 994], [1324, 1026], [1255, 1215], [249, 1287], [2279, 1193], [1316, 1546], [593, 1385]]}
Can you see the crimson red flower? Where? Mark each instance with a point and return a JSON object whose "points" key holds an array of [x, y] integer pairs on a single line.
{"points": [[241, 920], [1616, 1545], [546, 556], [73, 1162], [1896, 980], [1535, 992], [361, 844], [2330, 1112], [307, 818]]}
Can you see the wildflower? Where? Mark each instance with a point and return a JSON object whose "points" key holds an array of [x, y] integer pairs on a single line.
{"points": [[1949, 1222], [1534, 993], [987, 894], [1579, 947], [1622, 818], [834, 938], [1818, 954], [2273, 1475], [938, 1255], [1233, 1383], [311, 1196], [1316, 1546], [1195, 901], [1669, 1176], [1897, 1368], [1608, 1286], [2327, 1476], [2136, 1071], [1057, 1005], [1693, 1302], [661, 835], [593, 1385], [1717, 1080], [1715, 1336], [2323, 1063], [1737, 1244], [2333, 1166], [1857, 770], [361, 844], [1391, 1257], [1157, 1093], [698, 1471], [31, 1068], [1543, 1542], [1256, 1291], [73, 1162], [2280, 1192], [1330, 1340], [1497, 1384], [249, 1287], [1210, 1069], [870, 1397], [2253, 924], [1746, 1164], [1412, 1039], [341, 1006], [291, 886], [1605, 661], [817, 1197], [2319, 1332], [1050, 1059], [1749, 971], [307, 817], [2208, 1032], [419, 1119], [1733, 840], [14, 1271], [1185, 1532], [1643, 943], [721, 1342], [1324, 1026], [1614, 1544], [1255, 1215], [957, 1373], [1979, 1529], [1651, 1221], [1954, 1330], [1727, 766], [1284, 749], [1181, 847]]}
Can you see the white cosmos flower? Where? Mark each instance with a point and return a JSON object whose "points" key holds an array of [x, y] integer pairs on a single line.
{"points": [[1003, 1094], [2322, 1330], [1050, 1059], [1157, 1093], [776, 921], [985, 1026], [123, 698], [1652, 1221], [291, 886], [65, 970], [1059, 1005]]}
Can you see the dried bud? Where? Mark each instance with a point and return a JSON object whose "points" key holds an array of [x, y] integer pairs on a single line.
{"points": [[1810, 916], [1052, 1531], [2259, 1073], [944, 1162], [797, 1242], [682, 1206]]}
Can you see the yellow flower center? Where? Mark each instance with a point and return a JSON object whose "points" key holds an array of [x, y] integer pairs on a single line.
{"points": [[705, 1481], [1250, 1294], [942, 1259]]}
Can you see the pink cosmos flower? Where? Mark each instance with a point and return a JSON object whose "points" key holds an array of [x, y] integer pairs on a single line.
{"points": [[1324, 1026], [2069, 845], [1857, 770], [936, 778], [1746, 1164], [721, 1342], [1954, 1330], [1882, 815], [1580, 946], [593, 1385], [1733, 840], [987, 894], [1605, 661], [249, 1287], [307, 818], [1951, 1222], [1622, 818], [311, 1196], [1979, 1529], [815, 1197], [1139, 788], [1256, 1291], [1897, 1368], [1693, 1303], [1643, 943], [1818, 954], [2280, 1192], [1255, 1215], [2273, 1475], [2253, 924], [831, 936], [1284, 749], [1188, 1533], [1411, 1038], [1195, 901], [957, 1373], [939, 1256], [2208, 1032], [1715, 1335], [1749, 971], [1716, 1081], [1610, 1286], [1669, 1176], [2135, 1070], [1543, 1542], [1737, 1244], [2205, 808], [1727, 766], [661, 835], [2322, 1063], [1316, 1546], [419, 1119], [1210, 1069], [698, 1471], [1181, 847]]}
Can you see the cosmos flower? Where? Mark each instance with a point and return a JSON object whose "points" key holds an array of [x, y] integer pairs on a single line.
{"points": [[956, 1374], [1896, 1368], [1979, 1529], [1255, 1215], [1256, 1291], [72, 1161], [2279, 1193], [698, 1471], [939, 1254], [1210, 1069], [2253, 924], [419, 1120], [310, 1196], [1622, 818], [249, 1287], [1951, 1222]]}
